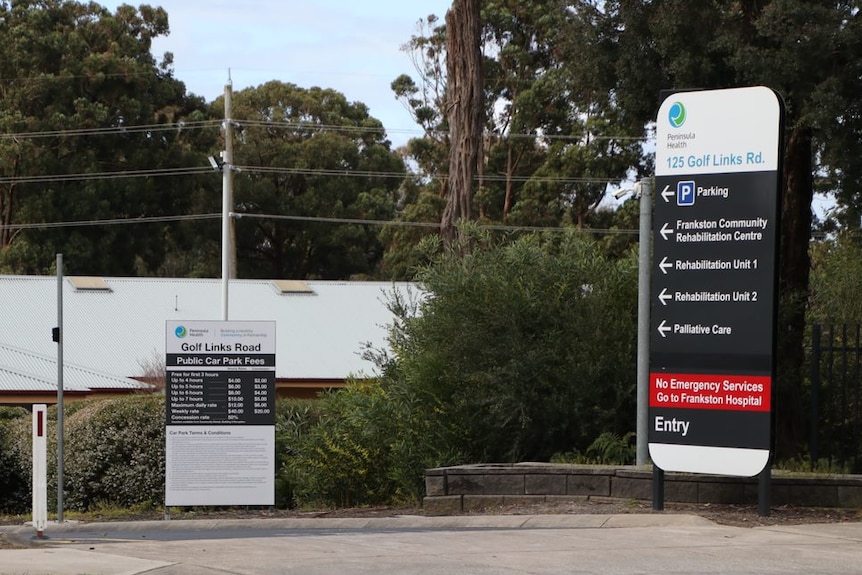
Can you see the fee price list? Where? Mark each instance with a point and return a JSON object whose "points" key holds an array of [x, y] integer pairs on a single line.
{"points": [[221, 397]]}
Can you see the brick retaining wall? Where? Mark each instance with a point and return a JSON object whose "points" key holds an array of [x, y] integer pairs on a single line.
{"points": [[451, 490]]}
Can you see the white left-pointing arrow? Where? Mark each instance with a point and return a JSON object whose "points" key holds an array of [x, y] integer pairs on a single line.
{"points": [[665, 231], [664, 264], [667, 193], [664, 296], [663, 329]]}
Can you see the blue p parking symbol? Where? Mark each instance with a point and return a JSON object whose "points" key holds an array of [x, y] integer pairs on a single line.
{"points": [[685, 193]]}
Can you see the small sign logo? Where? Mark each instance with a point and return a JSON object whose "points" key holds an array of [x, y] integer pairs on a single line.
{"points": [[181, 332], [685, 193], [676, 115]]}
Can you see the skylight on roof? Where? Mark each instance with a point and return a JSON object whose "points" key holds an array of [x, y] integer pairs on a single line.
{"points": [[89, 283], [292, 287]]}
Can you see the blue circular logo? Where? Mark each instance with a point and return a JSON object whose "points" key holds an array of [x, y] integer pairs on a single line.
{"points": [[676, 115], [180, 331]]}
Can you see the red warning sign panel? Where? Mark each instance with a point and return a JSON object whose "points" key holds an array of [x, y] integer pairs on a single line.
{"points": [[706, 391]]}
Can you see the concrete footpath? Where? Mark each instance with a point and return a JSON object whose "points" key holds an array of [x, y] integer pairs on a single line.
{"points": [[482, 545]]}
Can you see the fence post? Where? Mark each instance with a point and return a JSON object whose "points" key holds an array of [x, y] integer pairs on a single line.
{"points": [[815, 393]]}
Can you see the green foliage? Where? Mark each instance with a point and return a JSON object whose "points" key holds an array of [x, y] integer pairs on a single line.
{"points": [[405, 254], [78, 66], [608, 449], [802, 464], [115, 453], [310, 153], [11, 413], [370, 445], [293, 419], [524, 349], [554, 137], [835, 271], [14, 485]]}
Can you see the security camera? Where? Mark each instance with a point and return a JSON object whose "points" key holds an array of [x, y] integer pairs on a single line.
{"points": [[215, 163]]}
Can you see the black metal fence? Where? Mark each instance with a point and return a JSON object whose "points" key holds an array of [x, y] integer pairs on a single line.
{"points": [[836, 396]]}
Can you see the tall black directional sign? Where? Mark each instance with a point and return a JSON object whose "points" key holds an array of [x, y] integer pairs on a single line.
{"points": [[715, 237]]}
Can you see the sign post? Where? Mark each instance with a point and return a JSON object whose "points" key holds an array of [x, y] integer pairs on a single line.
{"points": [[220, 413], [715, 231], [40, 468]]}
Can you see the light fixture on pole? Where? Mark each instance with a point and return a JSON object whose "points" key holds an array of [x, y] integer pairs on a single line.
{"points": [[216, 163]]}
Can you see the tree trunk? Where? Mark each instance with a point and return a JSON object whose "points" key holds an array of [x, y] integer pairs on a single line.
{"points": [[6, 217], [7, 209], [465, 111], [797, 193], [510, 170]]}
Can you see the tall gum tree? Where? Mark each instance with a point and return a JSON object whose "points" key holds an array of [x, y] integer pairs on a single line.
{"points": [[466, 105]]}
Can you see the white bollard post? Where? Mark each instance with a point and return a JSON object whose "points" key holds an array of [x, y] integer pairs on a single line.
{"points": [[40, 468]]}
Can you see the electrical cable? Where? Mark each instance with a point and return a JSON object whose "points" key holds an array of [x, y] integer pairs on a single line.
{"points": [[310, 219]]}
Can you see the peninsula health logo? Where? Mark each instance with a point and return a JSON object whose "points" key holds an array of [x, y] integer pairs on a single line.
{"points": [[676, 115], [181, 331]]}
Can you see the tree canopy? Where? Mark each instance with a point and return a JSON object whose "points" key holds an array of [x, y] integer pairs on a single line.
{"points": [[83, 98], [307, 155]]}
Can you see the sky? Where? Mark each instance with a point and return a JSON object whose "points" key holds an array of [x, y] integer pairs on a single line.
{"points": [[351, 46]]}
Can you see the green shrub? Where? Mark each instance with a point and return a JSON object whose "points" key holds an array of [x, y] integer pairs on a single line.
{"points": [[14, 481], [526, 348], [293, 419], [341, 460], [115, 453], [370, 445]]}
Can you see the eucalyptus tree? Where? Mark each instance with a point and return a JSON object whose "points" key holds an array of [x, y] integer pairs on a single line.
{"points": [[83, 102], [465, 99], [552, 140], [310, 161]]}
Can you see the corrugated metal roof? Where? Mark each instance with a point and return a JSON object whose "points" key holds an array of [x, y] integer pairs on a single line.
{"points": [[121, 332], [22, 370]]}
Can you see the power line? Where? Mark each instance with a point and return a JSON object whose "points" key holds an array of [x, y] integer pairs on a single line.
{"points": [[310, 219], [111, 130], [288, 125], [55, 178], [435, 225], [343, 173], [299, 125], [109, 222], [383, 174]]}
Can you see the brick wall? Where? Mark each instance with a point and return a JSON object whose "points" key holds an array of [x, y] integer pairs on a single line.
{"points": [[464, 488]]}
